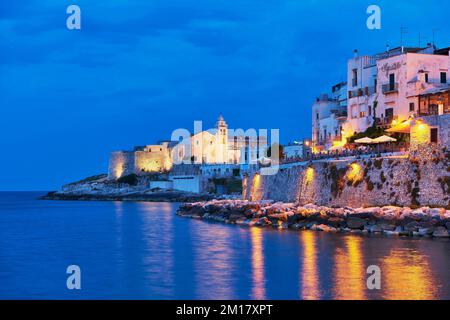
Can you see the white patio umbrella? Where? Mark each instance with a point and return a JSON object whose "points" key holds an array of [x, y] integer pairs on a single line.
{"points": [[384, 139], [366, 140]]}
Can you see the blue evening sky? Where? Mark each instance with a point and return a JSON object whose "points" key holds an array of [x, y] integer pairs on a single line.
{"points": [[139, 69]]}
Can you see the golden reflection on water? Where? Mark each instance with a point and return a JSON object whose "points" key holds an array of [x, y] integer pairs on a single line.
{"points": [[406, 275], [258, 288], [349, 271], [309, 273]]}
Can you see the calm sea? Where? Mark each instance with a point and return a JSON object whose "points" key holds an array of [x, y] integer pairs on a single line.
{"points": [[144, 251]]}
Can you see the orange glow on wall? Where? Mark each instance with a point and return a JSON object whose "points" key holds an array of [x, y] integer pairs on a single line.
{"points": [[309, 175], [355, 173], [420, 134], [255, 193], [118, 170]]}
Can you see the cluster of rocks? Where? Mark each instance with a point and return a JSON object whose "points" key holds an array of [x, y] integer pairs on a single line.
{"points": [[389, 220]]}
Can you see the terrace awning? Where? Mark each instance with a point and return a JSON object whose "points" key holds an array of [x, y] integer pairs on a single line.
{"points": [[403, 127]]}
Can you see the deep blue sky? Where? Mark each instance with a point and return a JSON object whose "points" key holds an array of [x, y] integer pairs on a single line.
{"points": [[139, 69]]}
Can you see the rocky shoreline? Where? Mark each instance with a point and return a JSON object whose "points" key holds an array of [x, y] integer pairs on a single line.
{"points": [[388, 220], [158, 196]]}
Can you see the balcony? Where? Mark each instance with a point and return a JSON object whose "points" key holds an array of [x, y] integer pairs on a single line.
{"points": [[366, 91], [389, 88], [385, 122]]}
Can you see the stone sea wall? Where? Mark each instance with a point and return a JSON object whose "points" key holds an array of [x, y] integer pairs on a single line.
{"points": [[422, 179]]}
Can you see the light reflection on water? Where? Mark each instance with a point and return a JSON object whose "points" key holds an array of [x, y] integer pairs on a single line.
{"points": [[258, 286], [349, 269], [309, 274], [407, 273], [144, 251]]}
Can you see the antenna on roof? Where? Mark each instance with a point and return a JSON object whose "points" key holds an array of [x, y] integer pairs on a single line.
{"points": [[420, 39], [403, 30]]}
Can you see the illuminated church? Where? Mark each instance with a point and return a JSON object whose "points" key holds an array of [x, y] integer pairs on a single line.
{"points": [[218, 145]]}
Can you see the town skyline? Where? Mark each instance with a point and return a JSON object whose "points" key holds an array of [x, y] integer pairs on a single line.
{"points": [[69, 105]]}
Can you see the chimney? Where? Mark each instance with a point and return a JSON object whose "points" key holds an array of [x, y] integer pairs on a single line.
{"points": [[355, 52], [387, 48]]}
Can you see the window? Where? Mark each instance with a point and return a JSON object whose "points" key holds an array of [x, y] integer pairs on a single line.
{"points": [[391, 81], [354, 111], [355, 77], [411, 106], [317, 116], [375, 83], [370, 110], [389, 114], [443, 77], [434, 135], [426, 77]]}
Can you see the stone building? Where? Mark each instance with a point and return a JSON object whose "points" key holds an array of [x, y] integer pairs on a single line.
{"points": [[433, 129], [150, 158]]}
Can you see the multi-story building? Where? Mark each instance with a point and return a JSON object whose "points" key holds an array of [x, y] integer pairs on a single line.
{"points": [[383, 90], [386, 88], [362, 92], [328, 115]]}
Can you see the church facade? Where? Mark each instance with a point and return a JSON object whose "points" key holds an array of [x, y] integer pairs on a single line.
{"points": [[218, 145]]}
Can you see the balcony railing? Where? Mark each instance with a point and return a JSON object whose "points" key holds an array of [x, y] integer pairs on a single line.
{"points": [[389, 88], [366, 91]]}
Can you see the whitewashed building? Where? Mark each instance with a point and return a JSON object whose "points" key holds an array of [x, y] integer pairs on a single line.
{"points": [[328, 115], [220, 145], [386, 87], [383, 90]]}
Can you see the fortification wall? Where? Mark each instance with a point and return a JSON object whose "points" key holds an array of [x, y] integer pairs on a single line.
{"points": [[121, 163], [422, 180]]}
